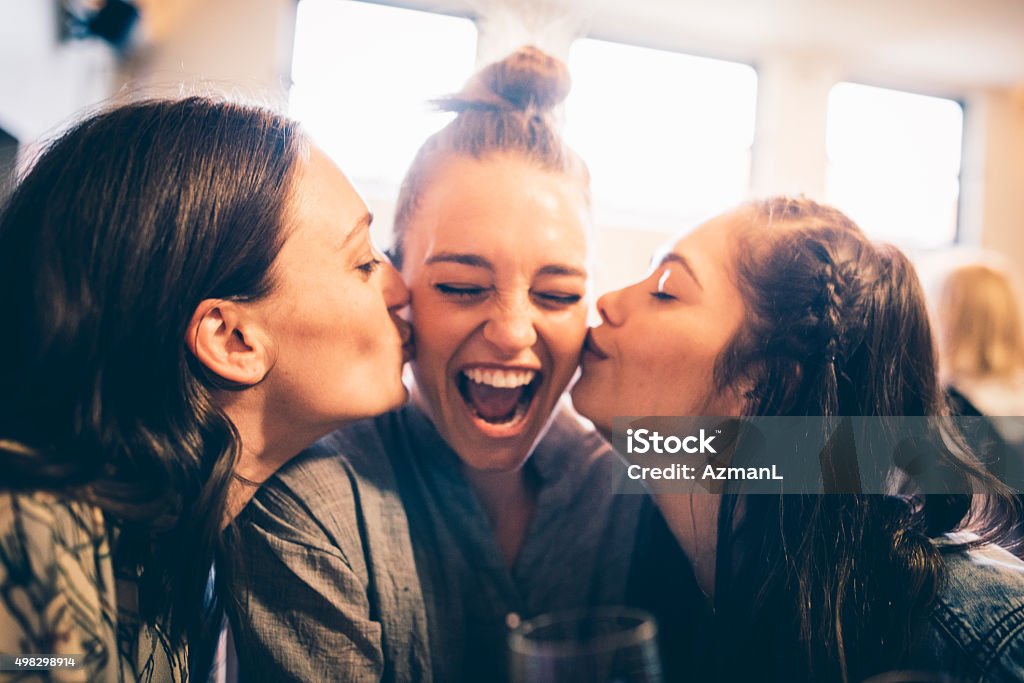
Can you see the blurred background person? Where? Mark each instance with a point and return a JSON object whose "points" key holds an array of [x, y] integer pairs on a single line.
{"points": [[981, 359], [981, 344]]}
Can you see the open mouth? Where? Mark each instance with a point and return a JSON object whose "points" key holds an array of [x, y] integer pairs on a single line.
{"points": [[498, 397]]}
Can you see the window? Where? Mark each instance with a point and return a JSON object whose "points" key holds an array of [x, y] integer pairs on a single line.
{"points": [[364, 75], [666, 136], [894, 163]]}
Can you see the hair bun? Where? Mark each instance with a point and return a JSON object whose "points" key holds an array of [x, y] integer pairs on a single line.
{"points": [[527, 78]]}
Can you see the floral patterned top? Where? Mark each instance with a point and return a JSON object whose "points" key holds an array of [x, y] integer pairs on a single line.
{"points": [[59, 595]]}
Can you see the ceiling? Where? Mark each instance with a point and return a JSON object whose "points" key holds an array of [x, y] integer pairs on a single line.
{"points": [[943, 45]]}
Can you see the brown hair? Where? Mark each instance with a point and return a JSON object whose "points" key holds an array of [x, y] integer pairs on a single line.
{"points": [[979, 323], [123, 225], [835, 326], [507, 106]]}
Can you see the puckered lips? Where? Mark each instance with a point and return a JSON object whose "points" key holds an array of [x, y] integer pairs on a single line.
{"points": [[592, 349], [406, 336], [498, 398]]}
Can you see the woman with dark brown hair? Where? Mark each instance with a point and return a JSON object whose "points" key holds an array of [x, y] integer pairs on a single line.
{"points": [[191, 297], [784, 308]]}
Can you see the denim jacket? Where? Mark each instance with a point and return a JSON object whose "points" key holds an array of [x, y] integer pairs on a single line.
{"points": [[977, 623]]}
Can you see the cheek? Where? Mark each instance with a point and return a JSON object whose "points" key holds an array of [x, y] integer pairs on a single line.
{"points": [[439, 331], [664, 373], [368, 325], [564, 333]]}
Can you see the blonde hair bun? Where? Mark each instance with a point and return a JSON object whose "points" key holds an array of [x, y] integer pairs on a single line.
{"points": [[527, 79]]}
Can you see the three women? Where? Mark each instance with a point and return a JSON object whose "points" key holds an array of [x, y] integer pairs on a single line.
{"points": [[177, 347]]}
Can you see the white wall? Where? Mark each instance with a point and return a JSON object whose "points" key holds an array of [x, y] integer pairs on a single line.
{"points": [[43, 82], [240, 46], [999, 195]]}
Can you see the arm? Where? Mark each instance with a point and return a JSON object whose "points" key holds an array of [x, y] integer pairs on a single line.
{"points": [[302, 608]]}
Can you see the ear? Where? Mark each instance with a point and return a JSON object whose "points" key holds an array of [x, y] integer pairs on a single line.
{"points": [[229, 341]]}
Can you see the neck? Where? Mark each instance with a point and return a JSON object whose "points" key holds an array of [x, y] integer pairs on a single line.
{"points": [[265, 447], [693, 520], [509, 501]]}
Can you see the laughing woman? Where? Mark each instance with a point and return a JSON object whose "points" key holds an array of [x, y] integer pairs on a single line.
{"points": [[191, 297], [506, 499], [784, 308]]}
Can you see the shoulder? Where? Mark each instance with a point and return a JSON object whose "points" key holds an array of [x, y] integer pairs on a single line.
{"points": [[327, 494], [571, 436], [574, 460], [574, 453], [324, 474], [46, 529], [980, 607]]}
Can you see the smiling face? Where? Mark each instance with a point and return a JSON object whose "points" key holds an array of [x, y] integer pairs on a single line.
{"points": [[495, 257], [332, 316], [656, 349]]}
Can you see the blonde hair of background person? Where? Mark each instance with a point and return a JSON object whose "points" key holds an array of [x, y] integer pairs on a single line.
{"points": [[981, 340], [980, 323]]}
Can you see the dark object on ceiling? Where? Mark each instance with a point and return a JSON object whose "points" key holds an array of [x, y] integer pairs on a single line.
{"points": [[114, 22]]}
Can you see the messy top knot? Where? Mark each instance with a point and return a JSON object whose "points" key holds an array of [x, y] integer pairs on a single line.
{"points": [[528, 79], [506, 107]]}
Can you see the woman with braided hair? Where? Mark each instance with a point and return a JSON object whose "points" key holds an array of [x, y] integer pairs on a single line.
{"points": [[784, 308]]}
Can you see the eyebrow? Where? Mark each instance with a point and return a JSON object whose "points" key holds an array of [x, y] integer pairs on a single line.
{"points": [[471, 260], [477, 261], [362, 224], [673, 257]]}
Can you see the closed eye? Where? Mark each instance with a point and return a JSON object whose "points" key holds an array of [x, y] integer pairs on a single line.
{"points": [[460, 291], [370, 267], [557, 298], [663, 296]]}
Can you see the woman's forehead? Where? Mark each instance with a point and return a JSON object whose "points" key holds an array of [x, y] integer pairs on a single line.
{"points": [[496, 208]]}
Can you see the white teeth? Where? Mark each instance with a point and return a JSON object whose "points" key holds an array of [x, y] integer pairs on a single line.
{"points": [[502, 379]]}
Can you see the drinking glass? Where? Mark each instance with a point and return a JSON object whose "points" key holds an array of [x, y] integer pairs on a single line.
{"points": [[603, 645]]}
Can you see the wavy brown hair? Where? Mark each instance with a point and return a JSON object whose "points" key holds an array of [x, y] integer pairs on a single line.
{"points": [[834, 587], [123, 225]]}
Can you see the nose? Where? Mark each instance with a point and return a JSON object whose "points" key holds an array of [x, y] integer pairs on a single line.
{"points": [[396, 294], [510, 328], [610, 307]]}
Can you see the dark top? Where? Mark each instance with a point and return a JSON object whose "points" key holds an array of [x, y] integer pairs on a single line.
{"points": [[974, 634], [369, 557]]}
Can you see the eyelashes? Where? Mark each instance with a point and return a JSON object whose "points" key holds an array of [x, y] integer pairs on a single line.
{"points": [[460, 291], [473, 293], [559, 299], [370, 267]]}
